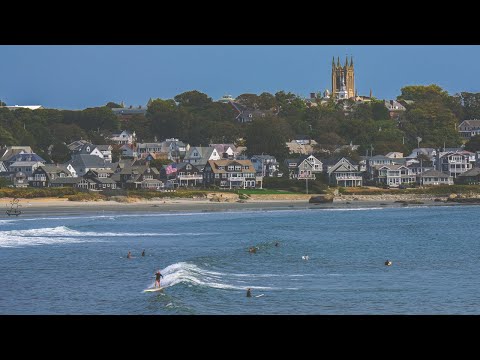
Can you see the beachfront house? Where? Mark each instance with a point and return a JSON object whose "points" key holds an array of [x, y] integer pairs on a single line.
{"points": [[231, 174], [304, 167], [65, 182], [470, 177], [127, 151], [140, 177], [226, 151], [456, 162], [434, 177], [343, 172], [181, 174], [394, 175], [43, 175], [98, 179]]}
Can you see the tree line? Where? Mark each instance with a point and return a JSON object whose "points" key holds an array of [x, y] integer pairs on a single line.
{"points": [[431, 114]]}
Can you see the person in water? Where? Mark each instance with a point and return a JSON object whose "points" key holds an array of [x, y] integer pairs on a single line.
{"points": [[143, 252], [276, 244], [253, 249], [388, 263], [157, 278], [249, 292], [129, 255]]}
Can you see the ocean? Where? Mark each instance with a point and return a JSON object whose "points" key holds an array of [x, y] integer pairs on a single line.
{"points": [[78, 264]]}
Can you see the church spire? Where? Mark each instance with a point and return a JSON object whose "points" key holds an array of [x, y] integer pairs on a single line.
{"points": [[346, 61], [351, 61], [333, 61], [338, 61]]}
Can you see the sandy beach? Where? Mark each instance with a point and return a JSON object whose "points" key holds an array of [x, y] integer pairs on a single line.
{"points": [[58, 206]]}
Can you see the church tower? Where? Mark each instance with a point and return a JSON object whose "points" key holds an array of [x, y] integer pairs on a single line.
{"points": [[343, 75]]}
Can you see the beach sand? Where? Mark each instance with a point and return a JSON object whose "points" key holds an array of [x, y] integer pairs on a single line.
{"points": [[56, 206]]}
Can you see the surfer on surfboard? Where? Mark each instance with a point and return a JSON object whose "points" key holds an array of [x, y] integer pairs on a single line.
{"points": [[157, 278]]}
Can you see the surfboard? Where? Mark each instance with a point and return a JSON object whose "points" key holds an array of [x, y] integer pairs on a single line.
{"points": [[260, 295], [153, 289]]}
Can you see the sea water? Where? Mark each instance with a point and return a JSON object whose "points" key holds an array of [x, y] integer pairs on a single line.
{"points": [[78, 264]]}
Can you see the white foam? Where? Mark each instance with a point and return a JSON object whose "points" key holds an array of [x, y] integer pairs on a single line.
{"points": [[12, 241], [66, 231], [191, 274]]}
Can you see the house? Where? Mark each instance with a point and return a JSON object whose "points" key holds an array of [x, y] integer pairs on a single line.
{"points": [[175, 149], [106, 151], [434, 177], [66, 182], [98, 179], [226, 151], [127, 113], [200, 155], [455, 163], [428, 152], [394, 108], [394, 175], [27, 167], [343, 173], [44, 174], [128, 151], [470, 177], [124, 137], [74, 146], [140, 177], [8, 151], [469, 128], [182, 174], [230, 174], [23, 157], [82, 163], [266, 165], [88, 149], [394, 155], [245, 114], [302, 145], [304, 167], [143, 149]]}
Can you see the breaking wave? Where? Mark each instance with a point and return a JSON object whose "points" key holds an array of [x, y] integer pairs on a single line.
{"points": [[191, 274], [63, 234]]}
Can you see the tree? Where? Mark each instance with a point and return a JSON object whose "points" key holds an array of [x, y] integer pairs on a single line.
{"points": [[251, 101], [113, 105], [60, 153], [471, 105], [4, 182], [193, 98], [264, 136], [473, 144], [2, 103]]}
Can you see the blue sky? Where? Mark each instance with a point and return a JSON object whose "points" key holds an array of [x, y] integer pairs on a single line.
{"points": [[76, 77]]}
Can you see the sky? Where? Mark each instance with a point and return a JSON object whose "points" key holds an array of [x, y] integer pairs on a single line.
{"points": [[77, 77]]}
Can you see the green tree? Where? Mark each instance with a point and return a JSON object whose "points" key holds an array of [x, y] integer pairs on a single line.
{"points": [[265, 136], [194, 99], [113, 105], [60, 153], [471, 105], [2, 103], [473, 144]]}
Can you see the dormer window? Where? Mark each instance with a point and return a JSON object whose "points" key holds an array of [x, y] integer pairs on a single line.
{"points": [[231, 167]]}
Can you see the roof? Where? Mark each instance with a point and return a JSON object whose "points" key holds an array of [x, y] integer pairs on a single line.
{"points": [[51, 168], [103, 147], [221, 148], [433, 173], [471, 172], [87, 161], [26, 157], [472, 123], [24, 163], [9, 151], [203, 151], [67, 180], [390, 167], [215, 164], [263, 157]]}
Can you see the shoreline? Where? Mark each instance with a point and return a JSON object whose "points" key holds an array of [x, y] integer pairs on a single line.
{"points": [[55, 206]]}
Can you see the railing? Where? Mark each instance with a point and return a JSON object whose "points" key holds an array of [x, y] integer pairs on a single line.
{"points": [[348, 177], [190, 177]]}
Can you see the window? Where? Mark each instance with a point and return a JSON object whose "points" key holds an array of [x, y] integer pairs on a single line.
{"points": [[230, 167], [238, 168], [217, 176]]}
